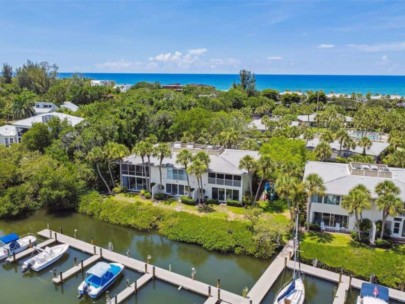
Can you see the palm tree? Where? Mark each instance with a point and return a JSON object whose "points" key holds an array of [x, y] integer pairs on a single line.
{"points": [[327, 137], [342, 137], [148, 147], [197, 167], [388, 201], [95, 156], [184, 158], [396, 159], [161, 151], [313, 185], [22, 106], [286, 187], [365, 143], [264, 166], [308, 135], [355, 202], [249, 163], [203, 157], [323, 151], [114, 152], [140, 149]]}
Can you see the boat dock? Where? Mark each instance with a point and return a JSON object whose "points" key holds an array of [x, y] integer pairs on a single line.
{"points": [[72, 271], [23, 254], [214, 294], [173, 278]]}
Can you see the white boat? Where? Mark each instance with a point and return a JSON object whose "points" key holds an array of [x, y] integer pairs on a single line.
{"points": [[12, 243], [46, 257], [373, 294], [99, 278], [294, 291]]}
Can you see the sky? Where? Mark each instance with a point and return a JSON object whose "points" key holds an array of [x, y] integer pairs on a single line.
{"points": [[335, 37]]}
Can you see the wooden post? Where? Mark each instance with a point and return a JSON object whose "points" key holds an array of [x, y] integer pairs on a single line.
{"points": [[219, 294], [14, 256], [115, 299], [127, 283], [209, 291], [94, 247], [218, 283], [75, 261], [61, 276], [146, 268], [285, 262], [50, 234], [92, 240], [350, 282], [60, 230], [30, 243], [136, 286], [81, 265], [340, 276], [56, 236], [153, 271], [101, 252]]}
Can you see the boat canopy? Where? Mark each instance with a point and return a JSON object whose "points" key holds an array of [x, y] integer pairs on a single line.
{"points": [[99, 270], [9, 238], [374, 291]]}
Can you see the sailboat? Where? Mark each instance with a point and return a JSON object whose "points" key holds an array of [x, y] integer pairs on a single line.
{"points": [[294, 291]]}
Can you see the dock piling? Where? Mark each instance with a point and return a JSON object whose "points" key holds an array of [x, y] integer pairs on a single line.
{"points": [[92, 240], [30, 244], [75, 261], [127, 283], [60, 230], [116, 299], [218, 283], [209, 291], [136, 286], [54, 272], [340, 275], [285, 262], [61, 276], [50, 233], [101, 252], [219, 294], [13, 256], [75, 234], [56, 236], [94, 247], [146, 268], [153, 271], [81, 265]]}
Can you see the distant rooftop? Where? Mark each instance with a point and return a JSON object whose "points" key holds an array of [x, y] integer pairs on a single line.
{"points": [[8, 130], [44, 118]]}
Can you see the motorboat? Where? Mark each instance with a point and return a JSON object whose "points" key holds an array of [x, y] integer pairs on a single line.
{"points": [[99, 278], [373, 294], [294, 291], [12, 243], [45, 257]]}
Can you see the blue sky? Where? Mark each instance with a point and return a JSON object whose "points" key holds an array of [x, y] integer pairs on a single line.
{"points": [[267, 37]]}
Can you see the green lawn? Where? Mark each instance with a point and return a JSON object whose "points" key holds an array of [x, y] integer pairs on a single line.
{"points": [[338, 251]]}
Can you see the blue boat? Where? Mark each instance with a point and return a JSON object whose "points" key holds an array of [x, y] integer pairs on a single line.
{"points": [[99, 278], [373, 294], [12, 243]]}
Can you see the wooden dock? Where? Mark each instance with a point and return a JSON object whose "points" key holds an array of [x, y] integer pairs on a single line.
{"points": [[139, 266], [266, 281], [29, 251], [343, 281], [131, 289], [72, 271]]}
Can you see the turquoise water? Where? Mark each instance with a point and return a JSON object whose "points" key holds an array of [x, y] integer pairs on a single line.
{"points": [[328, 83]]}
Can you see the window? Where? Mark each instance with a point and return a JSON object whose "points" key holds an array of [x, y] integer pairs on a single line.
{"points": [[224, 179], [175, 189], [332, 199], [396, 227], [223, 194], [316, 199], [331, 220], [176, 174]]}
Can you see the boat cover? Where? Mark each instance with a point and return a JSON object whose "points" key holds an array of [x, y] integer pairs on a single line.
{"points": [[374, 291], [99, 270], [9, 238], [287, 292]]}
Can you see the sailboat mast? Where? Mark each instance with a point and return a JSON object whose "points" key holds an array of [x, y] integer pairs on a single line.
{"points": [[295, 243]]}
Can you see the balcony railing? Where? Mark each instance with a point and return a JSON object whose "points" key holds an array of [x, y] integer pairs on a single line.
{"points": [[222, 181]]}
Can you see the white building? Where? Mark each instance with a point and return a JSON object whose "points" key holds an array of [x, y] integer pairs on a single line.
{"points": [[310, 120], [258, 124], [376, 149], [24, 125], [223, 181], [42, 107], [8, 135], [339, 179], [102, 83]]}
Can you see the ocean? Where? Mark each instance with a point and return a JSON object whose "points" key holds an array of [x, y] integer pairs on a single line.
{"points": [[392, 85]]}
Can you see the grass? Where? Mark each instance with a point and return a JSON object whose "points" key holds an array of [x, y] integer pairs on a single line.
{"points": [[338, 251]]}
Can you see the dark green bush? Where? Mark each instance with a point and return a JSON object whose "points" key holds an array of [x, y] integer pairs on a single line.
{"points": [[365, 225], [159, 196], [234, 203], [148, 195], [315, 227], [383, 243], [187, 200], [212, 202]]}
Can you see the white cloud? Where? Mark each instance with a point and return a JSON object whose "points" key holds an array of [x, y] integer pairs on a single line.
{"points": [[380, 47], [199, 51], [326, 46], [274, 58]]}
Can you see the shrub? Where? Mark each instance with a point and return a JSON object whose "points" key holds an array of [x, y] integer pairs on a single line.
{"points": [[148, 195], [315, 227], [142, 192], [118, 190], [213, 202], [365, 225], [187, 200], [159, 196], [234, 203], [383, 243]]}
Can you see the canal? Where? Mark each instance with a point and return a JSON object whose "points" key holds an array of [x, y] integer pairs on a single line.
{"points": [[236, 272]]}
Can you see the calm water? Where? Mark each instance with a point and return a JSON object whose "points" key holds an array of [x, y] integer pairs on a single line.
{"points": [[328, 83], [235, 272]]}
